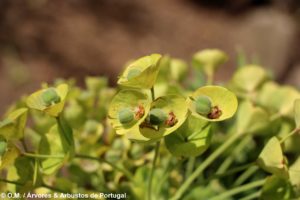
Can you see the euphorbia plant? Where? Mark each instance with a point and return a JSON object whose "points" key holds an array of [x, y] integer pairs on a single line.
{"points": [[161, 134]]}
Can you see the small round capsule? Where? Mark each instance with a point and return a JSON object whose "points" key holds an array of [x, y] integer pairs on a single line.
{"points": [[133, 73], [3, 147], [126, 116], [203, 105], [91, 126], [50, 97], [157, 116]]}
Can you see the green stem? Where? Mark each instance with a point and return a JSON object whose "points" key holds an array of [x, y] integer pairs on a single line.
{"points": [[11, 182], [190, 166], [205, 164], [117, 168], [254, 195], [244, 176], [239, 189], [152, 94], [233, 171], [41, 156], [296, 130], [156, 152], [228, 161]]}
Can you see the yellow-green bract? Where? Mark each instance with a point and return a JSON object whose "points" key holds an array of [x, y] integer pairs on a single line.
{"points": [[128, 99], [35, 101], [191, 139], [221, 97], [141, 73]]}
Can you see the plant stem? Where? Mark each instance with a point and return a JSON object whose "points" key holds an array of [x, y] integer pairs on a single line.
{"points": [[233, 171], [190, 166], [156, 152], [244, 176], [296, 130], [205, 164], [41, 156], [10, 182], [239, 189], [152, 94], [228, 161], [252, 196], [123, 170]]}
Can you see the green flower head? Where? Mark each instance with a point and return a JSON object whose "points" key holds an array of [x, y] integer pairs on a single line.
{"points": [[212, 103], [128, 109], [49, 100], [141, 73], [167, 114]]}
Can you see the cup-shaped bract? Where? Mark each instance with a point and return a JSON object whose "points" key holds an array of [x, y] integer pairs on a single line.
{"points": [[272, 160], [9, 152], [209, 60], [128, 100], [14, 125], [36, 100], [279, 99], [176, 108], [191, 139], [251, 119], [249, 78], [224, 103], [141, 73]]}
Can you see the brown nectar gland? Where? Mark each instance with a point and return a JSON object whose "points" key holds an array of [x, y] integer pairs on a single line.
{"points": [[215, 113], [139, 112], [172, 120]]}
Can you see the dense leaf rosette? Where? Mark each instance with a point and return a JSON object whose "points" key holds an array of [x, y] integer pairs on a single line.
{"points": [[138, 102], [141, 73], [176, 109], [222, 100], [272, 160], [37, 101], [14, 124], [191, 139]]}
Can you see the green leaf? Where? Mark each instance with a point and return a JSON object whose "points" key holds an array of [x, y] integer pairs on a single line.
{"points": [[173, 105], [225, 100], [131, 99], [209, 60], [297, 112], [294, 173], [278, 99], [191, 139], [13, 126], [35, 101], [66, 136], [249, 78], [21, 172], [8, 157], [276, 188], [50, 144], [148, 67], [251, 119], [272, 160]]}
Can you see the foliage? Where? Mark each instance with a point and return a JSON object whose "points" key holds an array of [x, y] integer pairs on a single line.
{"points": [[232, 140]]}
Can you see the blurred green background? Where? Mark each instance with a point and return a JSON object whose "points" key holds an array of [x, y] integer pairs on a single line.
{"points": [[42, 39]]}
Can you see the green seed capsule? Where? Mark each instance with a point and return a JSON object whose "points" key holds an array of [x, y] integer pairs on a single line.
{"points": [[133, 73], [50, 96], [126, 116], [203, 105], [157, 116], [91, 126], [3, 147]]}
